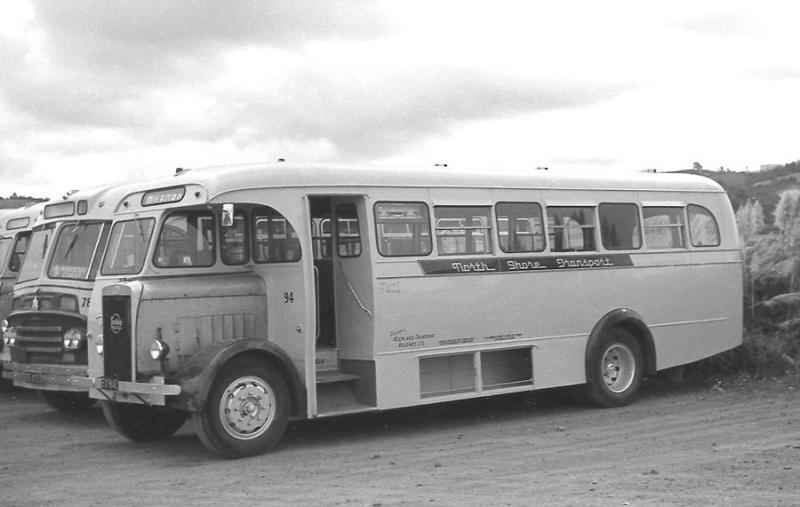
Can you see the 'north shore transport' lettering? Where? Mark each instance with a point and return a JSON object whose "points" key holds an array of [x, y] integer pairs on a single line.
{"points": [[521, 264]]}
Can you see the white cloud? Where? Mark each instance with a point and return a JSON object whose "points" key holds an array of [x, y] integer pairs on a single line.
{"points": [[92, 92]]}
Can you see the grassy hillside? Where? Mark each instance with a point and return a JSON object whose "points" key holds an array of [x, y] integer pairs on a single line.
{"points": [[764, 186], [16, 201]]}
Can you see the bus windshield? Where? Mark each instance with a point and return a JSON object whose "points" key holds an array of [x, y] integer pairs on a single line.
{"points": [[127, 247], [74, 251], [37, 250]]}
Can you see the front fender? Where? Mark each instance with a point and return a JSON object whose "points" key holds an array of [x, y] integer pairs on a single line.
{"points": [[199, 372]]}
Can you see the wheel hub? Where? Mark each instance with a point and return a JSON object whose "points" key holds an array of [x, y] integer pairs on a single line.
{"points": [[619, 368], [247, 408]]}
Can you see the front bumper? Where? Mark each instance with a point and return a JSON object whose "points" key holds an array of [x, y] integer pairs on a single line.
{"points": [[47, 377], [153, 392]]}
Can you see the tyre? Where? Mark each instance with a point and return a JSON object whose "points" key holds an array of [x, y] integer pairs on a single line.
{"points": [[614, 370], [142, 423], [247, 410], [65, 401]]}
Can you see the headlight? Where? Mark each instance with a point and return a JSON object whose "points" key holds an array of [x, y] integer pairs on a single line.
{"points": [[98, 344], [74, 338], [159, 350], [3, 326], [9, 336]]}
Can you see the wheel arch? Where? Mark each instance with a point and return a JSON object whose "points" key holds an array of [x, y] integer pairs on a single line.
{"points": [[199, 372], [631, 322]]}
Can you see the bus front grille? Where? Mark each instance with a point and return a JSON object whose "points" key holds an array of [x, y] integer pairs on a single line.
{"points": [[117, 355], [40, 340]]}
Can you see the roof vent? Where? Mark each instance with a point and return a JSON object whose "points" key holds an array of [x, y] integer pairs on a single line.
{"points": [[440, 164], [281, 160]]}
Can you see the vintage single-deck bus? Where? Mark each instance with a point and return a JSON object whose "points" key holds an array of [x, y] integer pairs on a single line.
{"points": [[249, 296], [15, 233], [46, 329]]}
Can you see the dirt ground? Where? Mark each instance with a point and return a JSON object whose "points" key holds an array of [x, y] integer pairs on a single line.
{"points": [[734, 443]]}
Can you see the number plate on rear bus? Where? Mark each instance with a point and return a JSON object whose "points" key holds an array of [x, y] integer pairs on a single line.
{"points": [[109, 383], [33, 377]]}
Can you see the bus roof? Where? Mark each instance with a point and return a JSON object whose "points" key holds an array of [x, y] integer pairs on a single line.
{"points": [[219, 180], [21, 218]]}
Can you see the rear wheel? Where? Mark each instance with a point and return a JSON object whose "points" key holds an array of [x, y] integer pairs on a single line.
{"points": [[614, 371], [65, 400], [142, 423], [247, 410]]}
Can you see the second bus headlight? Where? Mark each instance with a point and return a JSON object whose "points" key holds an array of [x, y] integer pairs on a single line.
{"points": [[9, 335], [74, 338]]}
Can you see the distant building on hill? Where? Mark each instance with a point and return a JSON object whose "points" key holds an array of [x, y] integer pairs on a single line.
{"points": [[768, 167]]}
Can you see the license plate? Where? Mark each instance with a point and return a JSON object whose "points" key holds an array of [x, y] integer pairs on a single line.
{"points": [[33, 377], [109, 383]]}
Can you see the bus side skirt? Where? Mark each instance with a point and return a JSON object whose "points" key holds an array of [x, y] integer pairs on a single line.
{"points": [[200, 371], [632, 322]]}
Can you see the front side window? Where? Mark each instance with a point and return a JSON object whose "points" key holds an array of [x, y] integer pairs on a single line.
{"points": [[463, 230], [187, 239], [403, 228], [274, 238], [234, 242], [520, 227], [18, 252], [664, 227], [703, 227], [571, 228], [619, 226], [127, 247], [5, 245], [33, 265], [74, 250], [348, 232]]}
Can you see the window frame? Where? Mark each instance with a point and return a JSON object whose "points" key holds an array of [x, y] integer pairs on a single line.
{"points": [[713, 221], [638, 216], [551, 229], [426, 221], [107, 252], [246, 241], [533, 234], [263, 209], [488, 234], [682, 226], [337, 234], [198, 212]]}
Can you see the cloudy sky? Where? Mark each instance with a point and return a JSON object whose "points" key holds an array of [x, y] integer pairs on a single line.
{"points": [[95, 91]]}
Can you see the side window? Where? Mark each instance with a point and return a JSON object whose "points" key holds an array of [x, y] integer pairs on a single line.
{"points": [[187, 239], [348, 233], [5, 245], [19, 251], [619, 226], [463, 230], [403, 228], [520, 227], [234, 241], [274, 238], [703, 227], [571, 228], [664, 227], [321, 238]]}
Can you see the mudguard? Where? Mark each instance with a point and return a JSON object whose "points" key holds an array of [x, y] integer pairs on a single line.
{"points": [[633, 323], [199, 372]]}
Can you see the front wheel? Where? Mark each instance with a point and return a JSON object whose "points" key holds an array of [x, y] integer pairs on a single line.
{"points": [[246, 412], [614, 369], [65, 400], [142, 423]]}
